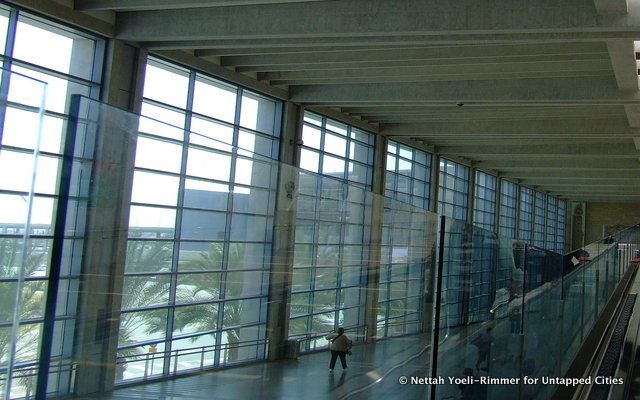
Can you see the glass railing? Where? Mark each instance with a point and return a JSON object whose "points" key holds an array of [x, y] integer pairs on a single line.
{"points": [[21, 268], [488, 281], [195, 257], [175, 253]]}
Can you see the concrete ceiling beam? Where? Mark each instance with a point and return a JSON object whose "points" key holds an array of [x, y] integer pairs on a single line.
{"points": [[562, 91], [433, 19], [447, 54], [603, 126], [139, 5]]}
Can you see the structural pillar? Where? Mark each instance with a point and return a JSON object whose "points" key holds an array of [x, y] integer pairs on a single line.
{"points": [[377, 220], [281, 273], [104, 256]]}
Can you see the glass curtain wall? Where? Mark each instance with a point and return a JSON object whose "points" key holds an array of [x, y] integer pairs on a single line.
{"points": [[69, 62], [453, 190], [539, 218], [484, 204], [525, 215], [408, 175], [200, 227], [551, 223], [562, 215], [333, 227], [404, 235], [508, 208], [23, 262]]}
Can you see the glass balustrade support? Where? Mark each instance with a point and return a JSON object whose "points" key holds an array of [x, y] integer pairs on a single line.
{"points": [[21, 117]]}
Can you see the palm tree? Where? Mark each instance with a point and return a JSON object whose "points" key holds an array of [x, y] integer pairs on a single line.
{"points": [[143, 256], [32, 299]]}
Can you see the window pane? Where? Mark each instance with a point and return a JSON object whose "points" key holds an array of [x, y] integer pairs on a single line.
{"points": [[53, 48], [214, 99], [166, 84], [142, 326], [208, 164], [158, 154], [258, 113], [170, 125], [154, 188]]}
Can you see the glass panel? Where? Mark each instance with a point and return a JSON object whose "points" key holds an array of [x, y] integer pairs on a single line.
{"points": [[39, 43], [258, 113], [172, 120], [214, 99], [166, 83]]}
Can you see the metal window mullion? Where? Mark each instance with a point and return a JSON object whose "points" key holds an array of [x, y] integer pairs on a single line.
{"points": [[341, 241], [315, 236], [6, 65], [314, 256], [227, 228], [173, 283]]}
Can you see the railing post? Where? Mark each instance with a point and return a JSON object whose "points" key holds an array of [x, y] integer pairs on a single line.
{"points": [[146, 366], [175, 361], [595, 307], [202, 358], [582, 308], [436, 311]]}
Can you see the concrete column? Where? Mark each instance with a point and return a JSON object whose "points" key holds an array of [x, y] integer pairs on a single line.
{"points": [[124, 75], [435, 183], [377, 216], [471, 194], [281, 273], [498, 203], [104, 255], [518, 188]]}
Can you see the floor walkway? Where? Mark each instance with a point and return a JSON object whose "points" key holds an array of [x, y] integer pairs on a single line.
{"points": [[374, 370]]}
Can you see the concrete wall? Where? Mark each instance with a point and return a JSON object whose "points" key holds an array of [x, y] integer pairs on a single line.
{"points": [[613, 216]]}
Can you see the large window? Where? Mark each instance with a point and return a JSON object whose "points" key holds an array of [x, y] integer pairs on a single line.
{"points": [[539, 219], [337, 150], [525, 225], [333, 224], [408, 176], [200, 227], [552, 220], [453, 193], [508, 209], [484, 203], [70, 62], [406, 233], [562, 214]]}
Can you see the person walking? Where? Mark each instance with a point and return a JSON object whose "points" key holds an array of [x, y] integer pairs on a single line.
{"points": [[340, 345], [483, 342]]}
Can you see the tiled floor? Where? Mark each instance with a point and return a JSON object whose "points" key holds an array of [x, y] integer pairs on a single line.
{"points": [[373, 372]]}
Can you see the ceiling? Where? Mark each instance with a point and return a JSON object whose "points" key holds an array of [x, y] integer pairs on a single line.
{"points": [[541, 91]]}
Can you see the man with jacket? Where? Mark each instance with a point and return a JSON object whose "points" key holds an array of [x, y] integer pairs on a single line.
{"points": [[339, 346]]}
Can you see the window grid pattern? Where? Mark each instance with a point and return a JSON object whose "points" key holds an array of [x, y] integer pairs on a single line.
{"points": [[200, 227], [484, 205], [401, 286], [483, 266], [408, 175], [552, 221], [562, 214], [508, 209], [453, 193], [525, 227], [337, 150], [70, 62], [333, 224], [539, 219]]}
